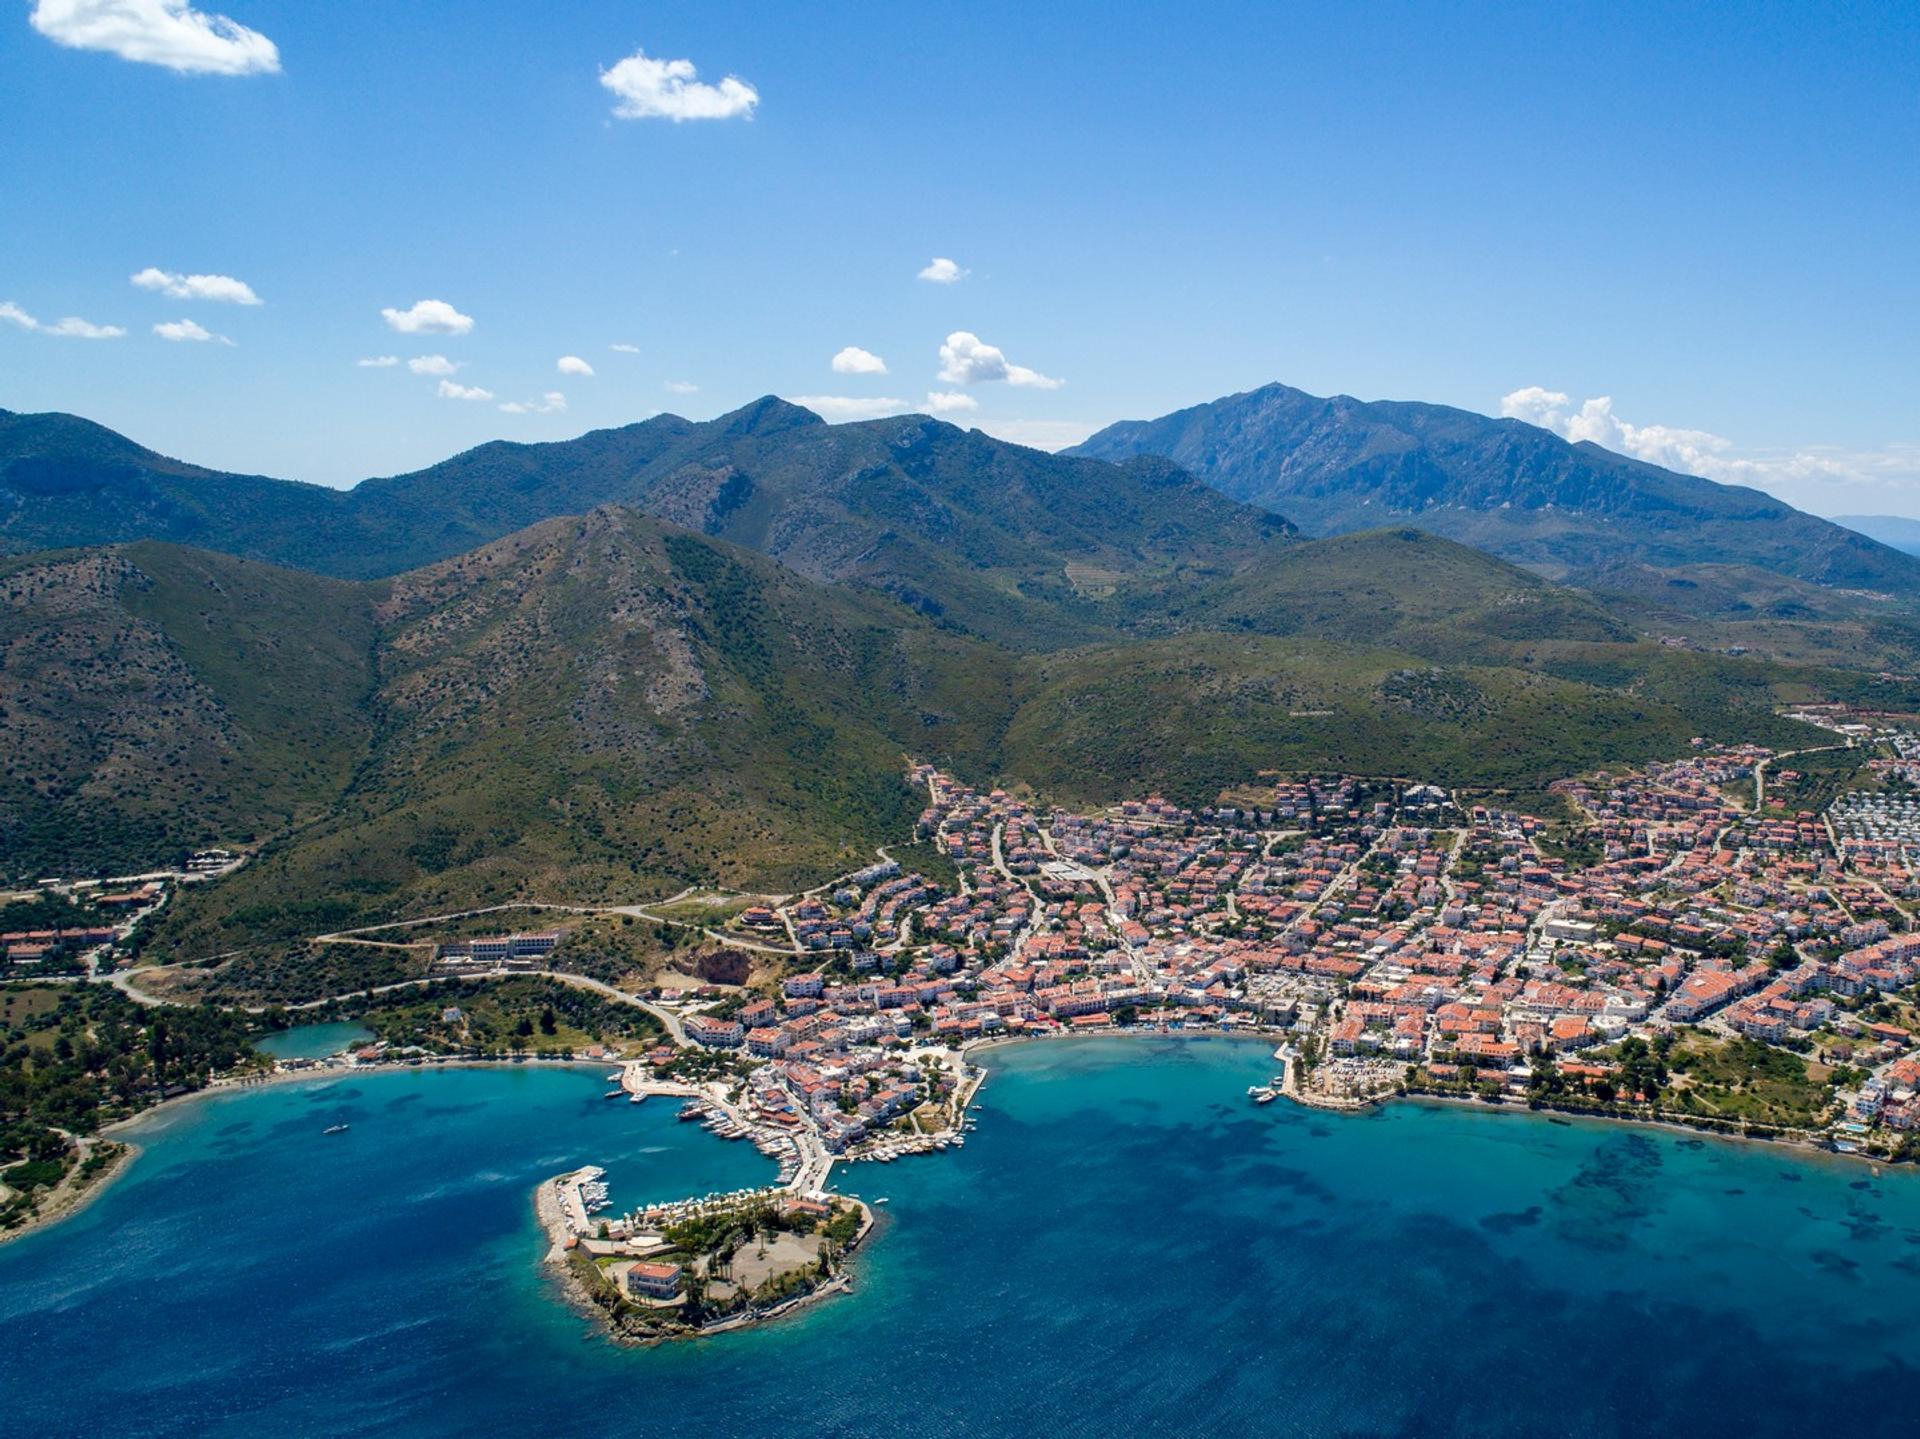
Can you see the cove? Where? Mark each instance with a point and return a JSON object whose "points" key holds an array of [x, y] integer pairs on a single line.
{"points": [[1124, 1246]]}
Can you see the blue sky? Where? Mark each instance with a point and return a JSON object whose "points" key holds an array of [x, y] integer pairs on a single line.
{"points": [[1707, 221]]}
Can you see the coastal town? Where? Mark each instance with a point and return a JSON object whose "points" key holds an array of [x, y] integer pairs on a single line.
{"points": [[1389, 936], [1676, 954], [1680, 945]]}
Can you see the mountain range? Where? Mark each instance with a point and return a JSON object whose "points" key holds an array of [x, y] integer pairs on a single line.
{"points": [[676, 653], [1518, 491], [1022, 544]]}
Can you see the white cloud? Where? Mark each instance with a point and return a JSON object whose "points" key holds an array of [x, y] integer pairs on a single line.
{"points": [[222, 289], [547, 404], [188, 331], [74, 328], [942, 271], [450, 391], [855, 361], [378, 362], [681, 387], [1040, 434], [623, 349], [1814, 476], [71, 328], [428, 317], [850, 407], [432, 365], [966, 359], [572, 365], [170, 33], [1694, 452], [943, 401], [650, 89]]}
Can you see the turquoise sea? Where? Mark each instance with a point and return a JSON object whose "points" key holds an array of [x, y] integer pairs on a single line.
{"points": [[313, 1041], [1126, 1246]]}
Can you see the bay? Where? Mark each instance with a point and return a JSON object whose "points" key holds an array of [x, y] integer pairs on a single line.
{"points": [[1126, 1245]]}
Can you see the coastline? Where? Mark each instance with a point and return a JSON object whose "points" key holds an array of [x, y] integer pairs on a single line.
{"points": [[68, 1201], [1799, 1147], [558, 1260], [73, 1203], [70, 1204]]}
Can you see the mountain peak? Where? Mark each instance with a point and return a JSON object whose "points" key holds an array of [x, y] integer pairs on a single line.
{"points": [[768, 415]]}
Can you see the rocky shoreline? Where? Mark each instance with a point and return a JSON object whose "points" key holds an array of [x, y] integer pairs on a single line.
{"points": [[595, 1296]]}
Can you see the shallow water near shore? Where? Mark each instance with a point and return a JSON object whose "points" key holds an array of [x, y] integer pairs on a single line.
{"points": [[313, 1041], [1126, 1245]]}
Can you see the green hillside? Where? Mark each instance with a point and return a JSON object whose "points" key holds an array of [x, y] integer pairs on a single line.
{"points": [[1198, 714], [606, 708], [155, 699], [1403, 589]]}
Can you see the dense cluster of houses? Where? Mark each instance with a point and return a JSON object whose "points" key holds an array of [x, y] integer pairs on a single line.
{"points": [[1374, 918]]}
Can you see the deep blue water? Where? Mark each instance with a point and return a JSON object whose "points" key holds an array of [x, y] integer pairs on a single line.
{"points": [[1126, 1246]]}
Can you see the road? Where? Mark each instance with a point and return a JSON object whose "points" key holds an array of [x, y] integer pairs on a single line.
{"points": [[124, 981], [1034, 906]]}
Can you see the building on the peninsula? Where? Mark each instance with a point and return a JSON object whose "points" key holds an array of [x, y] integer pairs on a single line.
{"points": [[647, 1280]]}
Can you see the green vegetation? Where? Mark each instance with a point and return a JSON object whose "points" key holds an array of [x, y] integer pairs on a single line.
{"points": [[158, 700], [1201, 713], [47, 911], [273, 975], [687, 713], [505, 1017], [83, 1055], [1820, 777], [1743, 1079]]}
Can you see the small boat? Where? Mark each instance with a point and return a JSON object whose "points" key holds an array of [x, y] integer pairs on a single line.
{"points": [[1563, 1123], [635, 1098], [613, 1094], [879, 1201], [335, 1129]]}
